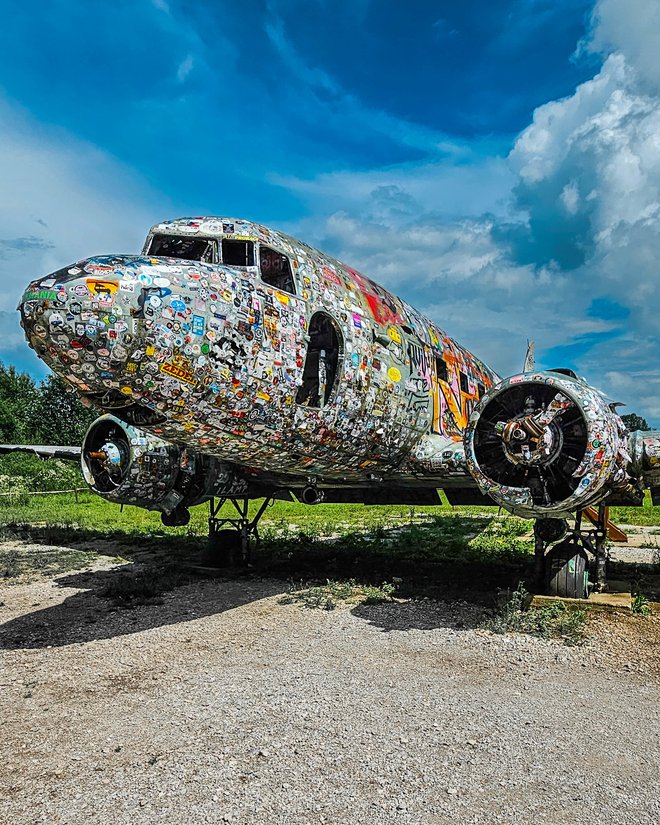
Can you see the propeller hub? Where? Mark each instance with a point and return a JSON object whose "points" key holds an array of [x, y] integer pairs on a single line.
{"points": [[526, 442]]}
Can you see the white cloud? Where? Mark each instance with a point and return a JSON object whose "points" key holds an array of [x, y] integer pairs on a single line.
{"points": [[575, 217], [62, 200], [631, 28], [185, 67]]}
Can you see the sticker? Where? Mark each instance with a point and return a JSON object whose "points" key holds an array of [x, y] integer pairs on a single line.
{"points": [[394, 334], [39, 295], [181, 373], [102, 289], [393, 374]]}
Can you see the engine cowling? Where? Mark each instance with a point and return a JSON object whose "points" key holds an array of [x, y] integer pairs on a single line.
{"points": [[127, 465], [547, 444]]}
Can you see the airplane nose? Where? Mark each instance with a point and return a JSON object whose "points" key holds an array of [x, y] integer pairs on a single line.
{"points": [[115, 324]]}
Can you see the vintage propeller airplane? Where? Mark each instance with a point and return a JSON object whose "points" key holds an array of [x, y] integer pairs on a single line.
{"points": [[234, 362]]}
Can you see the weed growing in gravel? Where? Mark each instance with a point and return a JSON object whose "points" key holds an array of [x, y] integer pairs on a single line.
{"points": [[327, 596], [554, 621], [9, 564], [640, 605], [18, 562], [129, 588]]}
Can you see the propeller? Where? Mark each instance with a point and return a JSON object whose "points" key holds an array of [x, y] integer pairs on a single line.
{"points": [[531, 435]]}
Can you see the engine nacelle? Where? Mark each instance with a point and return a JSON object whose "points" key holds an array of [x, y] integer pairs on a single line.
{"points": [[129, 466], [546, 444]]}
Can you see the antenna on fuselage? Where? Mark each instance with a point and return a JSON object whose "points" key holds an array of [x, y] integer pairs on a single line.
{"points": [[530, 360]]}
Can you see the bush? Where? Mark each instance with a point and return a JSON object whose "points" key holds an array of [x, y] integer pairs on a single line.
{"points": [[13, 490], [34, 474], [640, 605]]}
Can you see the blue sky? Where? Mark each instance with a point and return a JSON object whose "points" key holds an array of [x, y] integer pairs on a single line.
{"points": [[491, 162]]}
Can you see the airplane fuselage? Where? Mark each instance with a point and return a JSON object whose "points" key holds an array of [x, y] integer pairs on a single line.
{"points": [[261, 351]]}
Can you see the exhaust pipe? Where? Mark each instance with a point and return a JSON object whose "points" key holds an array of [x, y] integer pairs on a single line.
{"points": [[311, 495]]}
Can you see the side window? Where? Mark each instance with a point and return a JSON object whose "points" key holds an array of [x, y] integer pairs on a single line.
{"points": [[481, 390], [237, 253], [275, 269], [441, 368], [321, 363], [464, 382]]}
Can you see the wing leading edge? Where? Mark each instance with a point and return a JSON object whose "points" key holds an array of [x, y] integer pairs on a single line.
{"points": [[43, 451]]}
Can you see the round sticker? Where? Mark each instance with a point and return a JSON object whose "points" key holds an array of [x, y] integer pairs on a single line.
{"points": [[393, 374]]}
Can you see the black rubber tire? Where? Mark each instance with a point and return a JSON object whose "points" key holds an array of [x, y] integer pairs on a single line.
{"points": [[550, 529], [179, 517], [566, 571], [223, 549]]}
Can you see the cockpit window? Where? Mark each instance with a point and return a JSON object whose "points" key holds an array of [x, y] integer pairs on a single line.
{"points": [[276, 269], [188, 249], [237, 253]]}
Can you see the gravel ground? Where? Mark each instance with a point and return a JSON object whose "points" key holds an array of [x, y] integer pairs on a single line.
{"points": [[221, 705]]}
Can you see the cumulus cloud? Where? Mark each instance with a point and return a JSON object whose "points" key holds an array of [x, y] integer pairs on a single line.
{"points": [[63, 199], [629, 27], [572, 225]]}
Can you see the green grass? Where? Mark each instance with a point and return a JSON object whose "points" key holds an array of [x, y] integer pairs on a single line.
{"points": [[648, 515], [94, 516], [50, 561], [333, 593], [438, 551], [553, 621], [428, 547]]}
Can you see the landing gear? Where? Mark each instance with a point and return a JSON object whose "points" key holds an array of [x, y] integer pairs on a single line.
{"points": [[178, 517], [230, 546], [564, 570]]}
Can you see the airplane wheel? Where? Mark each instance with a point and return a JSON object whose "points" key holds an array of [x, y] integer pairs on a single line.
{"points": [[179, 517], [566, 571], [223, 549], [550, 529]]}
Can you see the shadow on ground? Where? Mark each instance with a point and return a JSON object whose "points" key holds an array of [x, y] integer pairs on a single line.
{"points": [[87, 615], [158, 587], [423, 615]]}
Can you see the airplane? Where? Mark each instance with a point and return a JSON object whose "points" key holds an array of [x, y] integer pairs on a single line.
{"points": [[233, 362]]}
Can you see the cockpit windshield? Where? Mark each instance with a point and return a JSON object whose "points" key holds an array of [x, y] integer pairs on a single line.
{"points": [[189, 249]]}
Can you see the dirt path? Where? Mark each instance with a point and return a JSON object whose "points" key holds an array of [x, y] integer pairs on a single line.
{"points": [[221, 705]]}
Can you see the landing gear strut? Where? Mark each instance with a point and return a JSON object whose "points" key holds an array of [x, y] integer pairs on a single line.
{"points": [[563, 570], [229, 537]]}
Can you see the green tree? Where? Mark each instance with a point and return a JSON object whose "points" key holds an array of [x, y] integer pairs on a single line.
{"points": [[56, 415], [634, 422], [18, 393]]}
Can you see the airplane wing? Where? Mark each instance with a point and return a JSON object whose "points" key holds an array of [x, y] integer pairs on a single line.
{"points": [[43, 451]]}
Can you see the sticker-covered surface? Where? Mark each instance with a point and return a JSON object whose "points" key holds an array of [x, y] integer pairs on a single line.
{"points": [[548, 444], [250, 346]]}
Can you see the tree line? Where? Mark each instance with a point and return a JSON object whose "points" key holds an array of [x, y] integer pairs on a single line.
{"points": [[44, 412]]}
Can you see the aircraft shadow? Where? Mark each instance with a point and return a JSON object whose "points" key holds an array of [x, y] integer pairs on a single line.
{"points": [[423, 615], [157, 589], [88, 615]]}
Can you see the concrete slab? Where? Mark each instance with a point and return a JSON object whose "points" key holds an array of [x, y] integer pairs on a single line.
{"points": [[617, 597]]}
